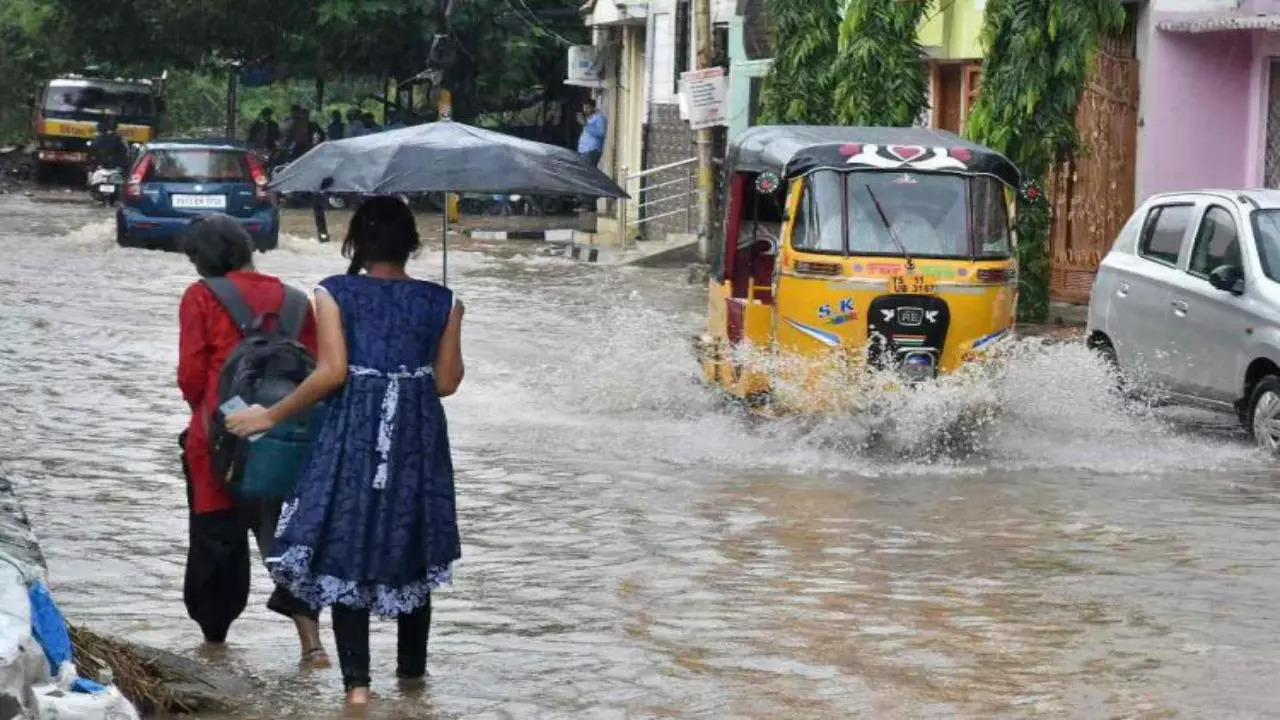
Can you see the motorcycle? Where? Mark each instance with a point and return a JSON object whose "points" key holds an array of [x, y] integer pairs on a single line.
{"points": [[105, 184]]}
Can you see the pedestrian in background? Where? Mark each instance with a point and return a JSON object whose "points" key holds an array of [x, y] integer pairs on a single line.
{"points": [[372, 525], [591, 142], [336, 130]]}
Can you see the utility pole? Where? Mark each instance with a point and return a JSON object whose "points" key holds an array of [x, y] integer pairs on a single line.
{"points": [[702, 35]]}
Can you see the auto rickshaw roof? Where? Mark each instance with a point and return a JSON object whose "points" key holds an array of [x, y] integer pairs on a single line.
{"points": [[797, 150]]}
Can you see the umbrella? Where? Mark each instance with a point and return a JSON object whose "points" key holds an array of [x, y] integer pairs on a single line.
{"points": [[444, 157]]}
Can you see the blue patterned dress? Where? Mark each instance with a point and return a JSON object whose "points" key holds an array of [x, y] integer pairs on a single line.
{"points": [[373, 521]]}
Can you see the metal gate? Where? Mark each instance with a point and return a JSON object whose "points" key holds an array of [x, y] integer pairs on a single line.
{"points": [[1093, 195]]}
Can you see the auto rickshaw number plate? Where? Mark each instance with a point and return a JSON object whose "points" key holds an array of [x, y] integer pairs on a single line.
{"points": [[911, 285]]}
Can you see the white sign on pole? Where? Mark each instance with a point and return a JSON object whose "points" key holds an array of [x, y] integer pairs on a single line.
{"points": [[706, 97]]}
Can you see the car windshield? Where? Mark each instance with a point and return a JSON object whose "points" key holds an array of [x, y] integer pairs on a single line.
{"points": [[100, 100], [1266, 230], [930, 214], [197, 165]]}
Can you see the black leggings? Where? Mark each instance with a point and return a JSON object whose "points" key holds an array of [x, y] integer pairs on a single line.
{"points": [[216, 587], [351, 631]]}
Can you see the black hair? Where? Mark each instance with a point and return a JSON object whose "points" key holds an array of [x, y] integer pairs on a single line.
{"points": [[382, 230], [217, 245], [267, 112]]}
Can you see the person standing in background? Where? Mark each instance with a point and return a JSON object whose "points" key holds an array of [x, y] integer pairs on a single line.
{"points": [[594, 129], [591, 141], [335, 131], [355, 126]]}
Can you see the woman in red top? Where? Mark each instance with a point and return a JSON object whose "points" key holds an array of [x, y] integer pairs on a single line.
{"points": [[216, 588]]}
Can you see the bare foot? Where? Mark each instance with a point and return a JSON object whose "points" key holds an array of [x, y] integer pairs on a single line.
{"points": [[358, 697], [316, 659]]}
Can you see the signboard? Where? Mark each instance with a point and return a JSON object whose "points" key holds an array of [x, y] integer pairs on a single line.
{"points": [[586, 66], [705, 94]]}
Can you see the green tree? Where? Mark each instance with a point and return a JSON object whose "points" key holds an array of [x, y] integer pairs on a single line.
{"points": [[25, 57], [506, 52], [879, 70], [799, 88], [1039, 54]]}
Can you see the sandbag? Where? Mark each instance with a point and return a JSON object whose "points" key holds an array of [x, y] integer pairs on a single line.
{"points": [[23, 662], [53, 703]]}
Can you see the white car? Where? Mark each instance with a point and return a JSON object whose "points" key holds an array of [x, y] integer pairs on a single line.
{"points": [[1187, 304]]}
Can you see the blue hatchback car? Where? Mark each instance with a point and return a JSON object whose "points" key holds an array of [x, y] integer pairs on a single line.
{"points": [[174, 181]]}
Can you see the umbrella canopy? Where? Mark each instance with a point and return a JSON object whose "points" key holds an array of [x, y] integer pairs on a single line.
{"points": [[444, 157]]}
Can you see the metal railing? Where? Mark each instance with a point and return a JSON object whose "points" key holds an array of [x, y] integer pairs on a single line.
{"points": [[644, 192]]}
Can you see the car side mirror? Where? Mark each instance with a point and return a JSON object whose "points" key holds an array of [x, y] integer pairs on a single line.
{"points": [[1228, 278]]}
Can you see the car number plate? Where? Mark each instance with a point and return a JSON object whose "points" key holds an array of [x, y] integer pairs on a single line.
{"points": [[912, 285], [199, 202], [107, 189]]}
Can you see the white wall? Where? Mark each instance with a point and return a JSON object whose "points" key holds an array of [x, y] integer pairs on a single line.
{"points": [[1194, 5]]}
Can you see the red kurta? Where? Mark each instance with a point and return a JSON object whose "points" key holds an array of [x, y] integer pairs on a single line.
{"points": [[207, 335]]}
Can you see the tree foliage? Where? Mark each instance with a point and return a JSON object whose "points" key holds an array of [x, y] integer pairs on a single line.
{"points": [[1039, 54], [508, 56], [850, 62], [799, 88], [879, 71]]}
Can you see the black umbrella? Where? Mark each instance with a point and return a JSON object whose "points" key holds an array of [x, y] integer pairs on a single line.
{"points": [[444, 157]]}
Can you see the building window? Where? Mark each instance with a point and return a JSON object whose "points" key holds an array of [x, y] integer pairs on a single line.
{"points": [[753, 100], [663, 60], [759, 29], [683, 36]]}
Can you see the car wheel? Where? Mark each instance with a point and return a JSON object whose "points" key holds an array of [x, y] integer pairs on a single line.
{"points": [[1264, 414], [271, 243], [122, 235], [336, 202], [1107, 352]]}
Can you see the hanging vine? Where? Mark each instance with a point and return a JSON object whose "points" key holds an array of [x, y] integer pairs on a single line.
{"points": [[798, 88], [1039, 54], [879, 70]]}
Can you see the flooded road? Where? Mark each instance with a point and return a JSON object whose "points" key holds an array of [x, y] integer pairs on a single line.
{"points": [[634, 549]]}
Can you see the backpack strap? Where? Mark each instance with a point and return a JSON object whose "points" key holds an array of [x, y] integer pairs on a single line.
{"points": [[293, 312], [233, 302]]}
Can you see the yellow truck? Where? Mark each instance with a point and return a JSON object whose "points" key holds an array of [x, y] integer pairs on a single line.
{"points": [[68, 110]]}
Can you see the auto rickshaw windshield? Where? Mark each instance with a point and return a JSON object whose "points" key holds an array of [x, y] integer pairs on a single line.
{"points": [[932, 214]]}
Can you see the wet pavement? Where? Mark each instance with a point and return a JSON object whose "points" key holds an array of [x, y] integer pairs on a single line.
{"points": [[633, 548]]}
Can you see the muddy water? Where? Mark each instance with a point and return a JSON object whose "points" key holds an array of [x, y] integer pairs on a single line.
{"points": [[634, 549]]}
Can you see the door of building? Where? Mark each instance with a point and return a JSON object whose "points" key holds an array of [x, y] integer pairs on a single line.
{"points": [[1271, 168]]}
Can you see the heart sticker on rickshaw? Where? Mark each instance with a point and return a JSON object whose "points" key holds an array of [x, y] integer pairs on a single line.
{"points": [[906, 153]]}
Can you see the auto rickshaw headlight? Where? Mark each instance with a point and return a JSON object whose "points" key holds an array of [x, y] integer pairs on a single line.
{"points": [[918, 367]]}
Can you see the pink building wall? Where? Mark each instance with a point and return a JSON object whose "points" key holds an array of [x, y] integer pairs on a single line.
{"points": [[1200, 112]]}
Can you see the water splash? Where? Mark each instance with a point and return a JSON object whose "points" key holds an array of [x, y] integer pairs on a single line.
{"points": [[1037, 405]]}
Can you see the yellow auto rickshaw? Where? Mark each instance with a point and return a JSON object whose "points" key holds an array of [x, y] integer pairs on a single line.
{"points": [[856, 248]]}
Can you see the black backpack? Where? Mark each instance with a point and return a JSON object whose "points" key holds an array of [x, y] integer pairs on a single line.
{"points": [[267, 365]]}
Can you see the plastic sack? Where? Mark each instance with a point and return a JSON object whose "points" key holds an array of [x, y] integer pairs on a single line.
{"points": [[22, 661], [53, 703]]}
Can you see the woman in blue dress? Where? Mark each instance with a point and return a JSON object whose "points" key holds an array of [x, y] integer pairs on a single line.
{"points": [[372, 525]]}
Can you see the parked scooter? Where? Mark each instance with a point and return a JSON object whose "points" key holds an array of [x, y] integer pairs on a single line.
{"points": [[105, 184]]}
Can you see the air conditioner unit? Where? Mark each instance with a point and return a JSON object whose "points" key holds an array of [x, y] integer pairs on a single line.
{"points": [[586, 64]]}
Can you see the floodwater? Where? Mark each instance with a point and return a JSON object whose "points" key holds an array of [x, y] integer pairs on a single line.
{"points": [[633, 548]]}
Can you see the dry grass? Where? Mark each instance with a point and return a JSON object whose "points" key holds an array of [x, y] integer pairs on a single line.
{"points": [[141, 680]]}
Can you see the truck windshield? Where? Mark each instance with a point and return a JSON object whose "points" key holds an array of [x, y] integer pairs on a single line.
{"points": [[100, 100], [933, 215], [1266, 230]]}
